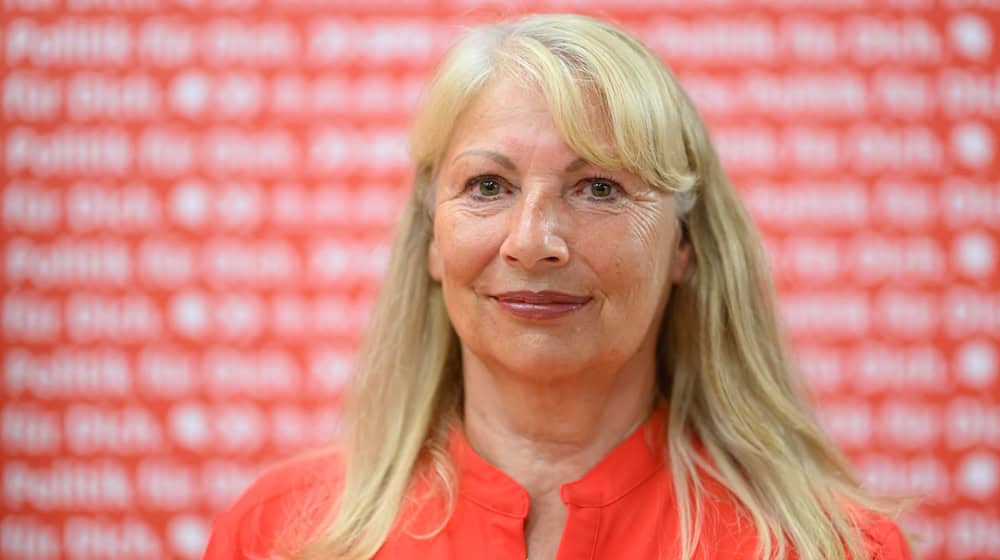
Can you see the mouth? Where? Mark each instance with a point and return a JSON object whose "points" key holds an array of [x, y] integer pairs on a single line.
{"points": [[540, 305]]}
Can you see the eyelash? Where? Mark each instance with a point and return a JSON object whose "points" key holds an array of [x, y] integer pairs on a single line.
{"points": [[616, 188]]}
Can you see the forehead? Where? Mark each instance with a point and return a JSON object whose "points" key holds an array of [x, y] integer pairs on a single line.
{"points": [[511, 113], [501, 105]]}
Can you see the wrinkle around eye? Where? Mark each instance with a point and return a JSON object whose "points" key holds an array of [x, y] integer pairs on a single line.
{"points": [[464, 206]]}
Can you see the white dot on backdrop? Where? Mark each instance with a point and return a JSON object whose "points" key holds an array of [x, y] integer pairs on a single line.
{"points": [[331, 260], [239, 316], [239, 205], [971, 36], [189, 425], [976, 363], [239, 95], [331, 368], [189, 203], [975, 254], [189, 93], [978, 475], [973, 144], [188, 535], [189, 313]]}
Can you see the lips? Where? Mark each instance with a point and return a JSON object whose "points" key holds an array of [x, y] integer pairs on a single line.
{"points": [[540, 305]]}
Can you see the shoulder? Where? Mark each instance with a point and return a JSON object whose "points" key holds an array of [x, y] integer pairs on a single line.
{"points": [[884, 539], [730, 531], [286, 501], [731, 534]]}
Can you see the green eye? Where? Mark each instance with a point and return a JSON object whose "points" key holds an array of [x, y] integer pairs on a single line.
{"points": [[489, 187], [601, 189], [485, 187]]}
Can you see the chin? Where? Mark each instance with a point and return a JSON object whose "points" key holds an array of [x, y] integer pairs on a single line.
{"points": [[545, 365]]}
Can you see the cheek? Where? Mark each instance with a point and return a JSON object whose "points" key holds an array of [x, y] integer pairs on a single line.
{"points": [[630, 256], [466, 245]]}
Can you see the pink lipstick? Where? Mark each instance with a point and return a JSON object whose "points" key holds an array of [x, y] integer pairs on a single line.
{"points": [[540, 305]]}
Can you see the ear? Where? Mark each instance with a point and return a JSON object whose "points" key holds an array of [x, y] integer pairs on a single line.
{"points": [[683, 261], [434, 260]]}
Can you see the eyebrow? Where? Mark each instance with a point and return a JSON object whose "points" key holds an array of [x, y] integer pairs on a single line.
{"points": [[506, 163]]}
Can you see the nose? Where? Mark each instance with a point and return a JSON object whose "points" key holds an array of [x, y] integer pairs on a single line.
{"points": [[533, 236]]}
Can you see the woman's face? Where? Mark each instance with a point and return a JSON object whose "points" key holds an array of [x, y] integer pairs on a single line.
{"points": [[549, 265]]}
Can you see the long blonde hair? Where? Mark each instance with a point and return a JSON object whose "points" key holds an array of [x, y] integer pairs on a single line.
{"points": [[722, 366]]}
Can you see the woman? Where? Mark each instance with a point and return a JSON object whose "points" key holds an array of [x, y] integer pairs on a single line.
{"points": [[576, 352]]}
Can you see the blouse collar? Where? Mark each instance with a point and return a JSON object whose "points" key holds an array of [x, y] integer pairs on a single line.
{"points": [[624, 468]]}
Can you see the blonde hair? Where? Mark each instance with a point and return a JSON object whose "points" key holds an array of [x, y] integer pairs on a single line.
{"points": [[722, 366]]}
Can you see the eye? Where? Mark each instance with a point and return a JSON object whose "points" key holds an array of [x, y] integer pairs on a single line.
{"points": [[601, 188], [487, 186]]}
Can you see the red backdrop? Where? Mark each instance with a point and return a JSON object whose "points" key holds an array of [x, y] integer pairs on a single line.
{"points": [[198, 196]]}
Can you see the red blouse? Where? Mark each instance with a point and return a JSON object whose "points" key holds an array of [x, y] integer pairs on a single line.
{"points": [[622, 508]]}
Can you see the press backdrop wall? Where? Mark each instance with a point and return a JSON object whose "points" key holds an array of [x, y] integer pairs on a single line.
{"points": [[198, 197]]}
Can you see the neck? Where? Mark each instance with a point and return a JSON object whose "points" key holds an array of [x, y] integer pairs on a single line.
{"points": [[546, 432]]}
